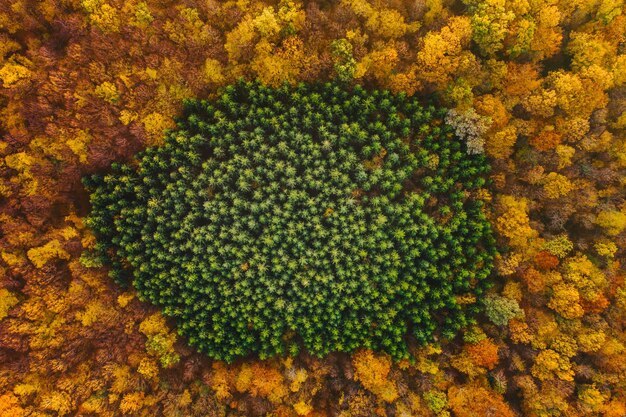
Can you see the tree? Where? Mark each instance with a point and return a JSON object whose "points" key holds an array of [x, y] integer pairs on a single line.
{"points": [[501, 309], [469, 401], [371, 371], [549, 364]]}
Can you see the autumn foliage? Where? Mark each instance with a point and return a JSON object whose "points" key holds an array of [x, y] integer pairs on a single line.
{"points": [[538, 87]]}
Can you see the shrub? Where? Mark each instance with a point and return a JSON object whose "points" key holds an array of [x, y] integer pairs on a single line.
{"points": [[311, 215]]}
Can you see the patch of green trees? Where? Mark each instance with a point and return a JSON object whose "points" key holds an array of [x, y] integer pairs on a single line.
{"points": [[315, 216]]}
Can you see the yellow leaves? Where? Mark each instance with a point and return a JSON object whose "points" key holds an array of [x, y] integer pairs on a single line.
{"points": [[240, 37], [42, 255], [386, 23], [500, 144], [565, 301], [559, 246], [7, 301], [404, 82], [514, 223], [94, 311], [442, 54], [371, 371], [7, 45], [124, 299], [389, 23], [148, 368], [591, 340], [133, 402], [619, 70], [78, 144], [613, 221], [188, 27], [48, 335], [490, 23], [302, 408], [508, 265], [213, 72], [541, 103], [591, 397], [220, 377], [556, 185], [11, 74], [93, 404], [274, 67], [22, 162], [107, 91], [565, 345], [102, 15], [155, 125], [379, 63], [141, 13], [547, 37], [520, 332], [267, 23], [266, 27], [565, 154], [587, 49], [291, 13], [60, 402], [122, 378], [549, 364], [30, 387], [299, 377], [160, 343], [605, 248], [127, 116]]}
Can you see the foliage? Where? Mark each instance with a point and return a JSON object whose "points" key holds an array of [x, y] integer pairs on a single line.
{"points": [[372, 371], [551, 77], [501, 309], [296, 201]]}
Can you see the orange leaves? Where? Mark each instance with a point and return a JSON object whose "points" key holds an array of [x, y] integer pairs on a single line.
{"points": [[483, 353], [546, 140], [546, 260], [10, 406], [372, 371], [470, 401], [84, 82], [261, 380]]}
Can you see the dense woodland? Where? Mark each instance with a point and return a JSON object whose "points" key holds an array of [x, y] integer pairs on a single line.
{"points": [[539, 87]]}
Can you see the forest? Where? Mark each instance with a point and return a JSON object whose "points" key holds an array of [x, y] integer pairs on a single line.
{"points": [[313, 208]]}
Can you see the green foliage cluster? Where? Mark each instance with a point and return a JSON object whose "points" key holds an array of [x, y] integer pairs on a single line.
{"points": [[315, 216], [501, 309]]}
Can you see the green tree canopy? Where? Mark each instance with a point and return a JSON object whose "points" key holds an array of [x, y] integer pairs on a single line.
{"points": [[319, 216]]}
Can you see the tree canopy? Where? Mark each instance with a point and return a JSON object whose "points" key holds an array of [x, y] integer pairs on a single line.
{"points": [[317, 215]]}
